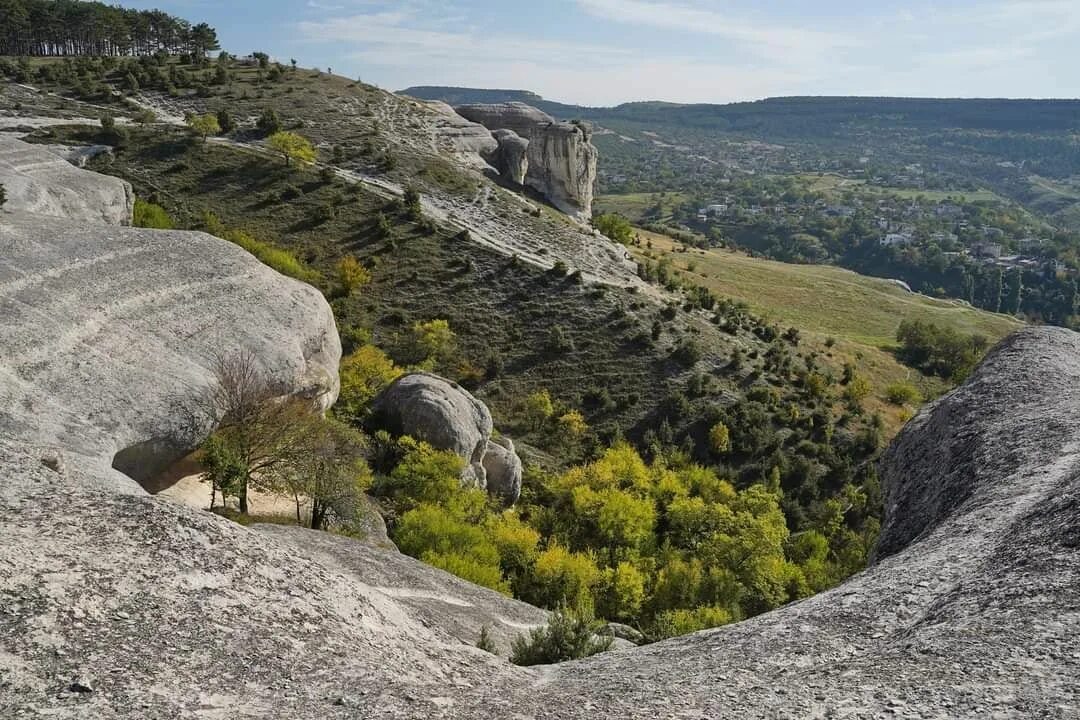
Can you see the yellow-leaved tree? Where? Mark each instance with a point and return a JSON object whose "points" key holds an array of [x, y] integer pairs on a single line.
{"points": [[292, 146]]}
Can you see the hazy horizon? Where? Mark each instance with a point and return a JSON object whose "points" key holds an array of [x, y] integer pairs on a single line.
{"points": [[607, 52]]}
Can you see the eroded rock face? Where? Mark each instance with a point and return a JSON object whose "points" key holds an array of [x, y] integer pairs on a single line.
{"points": [[562, 159], [42, 182], [106, 328], [460, 136], [446, 416], [511, 158]]}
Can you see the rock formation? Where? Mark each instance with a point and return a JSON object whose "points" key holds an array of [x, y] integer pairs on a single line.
{"points": [[504, 470], [105, 327], [445, 415], [511, 158], [458, 135], [561, 157], [42, 182]]}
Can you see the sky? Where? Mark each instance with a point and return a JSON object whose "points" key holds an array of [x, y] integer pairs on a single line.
{"points": [[604, 52]]}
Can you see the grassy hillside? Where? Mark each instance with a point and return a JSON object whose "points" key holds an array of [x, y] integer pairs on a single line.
{"points": [[860, 313]]}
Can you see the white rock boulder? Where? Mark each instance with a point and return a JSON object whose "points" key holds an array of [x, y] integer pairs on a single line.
{"points": [[40, 181]]}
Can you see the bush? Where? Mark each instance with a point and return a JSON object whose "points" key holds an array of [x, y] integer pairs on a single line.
{"points": [[149, 215], [939, 351], [567, 636], [903, 394], [615, 227], [279, 259], [681, 622], [364, 374]]}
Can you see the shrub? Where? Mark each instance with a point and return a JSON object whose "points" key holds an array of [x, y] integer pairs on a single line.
{"points": [[485, 642], [615, 227], [352, 275], [279, 259], [681, 622], [268, 122], [567, 636], [364, 374], [149, 215], [903, 394]]}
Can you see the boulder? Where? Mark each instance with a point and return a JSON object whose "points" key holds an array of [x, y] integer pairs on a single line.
{"points": [[446, 416], [105, 329], [459, 136], [511, 158], [40, 181], [504, 470], [561, 157], [441, 413]]}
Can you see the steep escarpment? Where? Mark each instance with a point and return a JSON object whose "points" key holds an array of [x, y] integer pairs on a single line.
{"points": [[561, 157]]}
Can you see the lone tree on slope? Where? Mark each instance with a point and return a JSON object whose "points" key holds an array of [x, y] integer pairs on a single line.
{"points": [[292, 147]]}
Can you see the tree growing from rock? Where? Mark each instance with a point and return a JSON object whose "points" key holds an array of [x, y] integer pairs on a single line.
{"points": [[292, 146]]}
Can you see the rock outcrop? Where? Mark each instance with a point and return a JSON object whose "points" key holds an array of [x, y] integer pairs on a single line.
{"points": [[40, 181], [458, 135], [561, 157], [511, 157], [106, 327], [446, 416], [504, 470]]}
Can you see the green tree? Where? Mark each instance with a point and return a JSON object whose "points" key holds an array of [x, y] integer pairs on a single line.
{"points": [[256, 432], [204, 125], [292, 146], [433, 342], [225, 121], [615, 227], [364, 374], [268, 122], [539, 408]]}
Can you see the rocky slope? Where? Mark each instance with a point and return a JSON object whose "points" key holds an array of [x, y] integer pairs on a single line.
{"points": [[561, 159]]}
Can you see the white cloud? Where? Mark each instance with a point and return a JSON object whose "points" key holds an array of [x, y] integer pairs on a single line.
{"points": [[766, 36], [996, 48]]}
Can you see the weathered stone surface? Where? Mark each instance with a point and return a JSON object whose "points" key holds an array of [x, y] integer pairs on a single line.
{"points": [[504, 470], [458, 135], [562, 159], [40, 181], [434, 597], [445, 415], [104, 327], [511, 158]]}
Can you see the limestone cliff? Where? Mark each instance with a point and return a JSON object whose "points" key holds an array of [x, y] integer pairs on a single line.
{"points": [[561, 157]]}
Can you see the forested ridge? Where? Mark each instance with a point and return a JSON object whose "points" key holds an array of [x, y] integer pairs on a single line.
{"points": [[58, 28]]}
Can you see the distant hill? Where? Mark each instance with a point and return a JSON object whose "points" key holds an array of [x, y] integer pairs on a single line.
{"points": [[795, 117]]}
